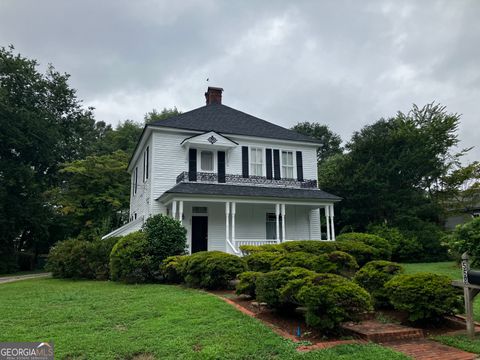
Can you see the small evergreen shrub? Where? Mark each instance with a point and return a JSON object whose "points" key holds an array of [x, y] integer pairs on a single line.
{"points": [[309, 246], [130, 261], [382, 248], [269, 285], [466, 238], [99, 259], [295, 259], [261, 260], [424, 296], [69, 259], [344, 264], [212, 269], [247, 283], [373, 277], [362, 252], [332, 299], [250, 249], [172, 269]]}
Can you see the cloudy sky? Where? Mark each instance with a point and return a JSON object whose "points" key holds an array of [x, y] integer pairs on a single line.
{"points": [[342, 63]]}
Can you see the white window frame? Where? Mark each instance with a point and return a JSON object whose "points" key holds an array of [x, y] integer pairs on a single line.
{"points": [[250, 163], [135, 180], [294, 164], [199, 160]]}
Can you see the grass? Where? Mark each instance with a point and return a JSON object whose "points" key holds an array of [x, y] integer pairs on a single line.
{"points": [[453, 271], [104, 320]]}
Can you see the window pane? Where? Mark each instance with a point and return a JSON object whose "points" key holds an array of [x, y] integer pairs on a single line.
{"points": [[206, 158]]}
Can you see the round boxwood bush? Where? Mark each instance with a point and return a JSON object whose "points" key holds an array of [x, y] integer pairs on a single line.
{"points": [[212, 269], [332, 299], [130, 261], [261, 261], [362, 252], [344, 263], [69, 259], [309, 246], [382, 248], [295, 259], [172, 269], [424, 296], [269, 286], [247, 283], [373, 277]]}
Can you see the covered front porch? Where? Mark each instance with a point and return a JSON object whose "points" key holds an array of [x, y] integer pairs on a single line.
{"points": [[225, 224]]}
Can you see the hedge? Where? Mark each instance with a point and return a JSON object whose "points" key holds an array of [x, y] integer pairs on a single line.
{"points": [[261, 261], [382, 248], [247, 283], [172, 269]]}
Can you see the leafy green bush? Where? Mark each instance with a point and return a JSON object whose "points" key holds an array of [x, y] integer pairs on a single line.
{"points": [[330, 300], [247, 283], [466, 238], [404, 249], [373, 277], [261, 260], [130, 261], [269, 285], [212, 269], [172, 269], [251, 249], [81, 259], [383, 249], [362, 252], [424, 296], [294, 259], [308, 246], [344, 263], [166, 237]]}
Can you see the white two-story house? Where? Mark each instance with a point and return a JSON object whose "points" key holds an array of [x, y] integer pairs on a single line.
{"points": [[230, 178]]}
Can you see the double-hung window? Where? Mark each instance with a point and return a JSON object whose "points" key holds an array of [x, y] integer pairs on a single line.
{"points": [[287, 164], [256, 161], [206, 161]]}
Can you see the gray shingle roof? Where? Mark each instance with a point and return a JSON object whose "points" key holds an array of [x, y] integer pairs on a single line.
{"points": [[226, 120], [255, 191]]}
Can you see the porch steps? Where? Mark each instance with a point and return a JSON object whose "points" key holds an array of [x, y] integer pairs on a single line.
{"points": [[378, 332]]}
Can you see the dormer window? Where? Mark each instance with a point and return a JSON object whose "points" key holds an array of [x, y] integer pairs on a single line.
{"points": [[206, 160], [256, 161]]}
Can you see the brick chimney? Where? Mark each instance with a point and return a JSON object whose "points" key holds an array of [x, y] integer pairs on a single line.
{"points": [[213, 95]]}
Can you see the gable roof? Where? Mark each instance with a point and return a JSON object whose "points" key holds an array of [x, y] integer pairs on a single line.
{"points": [[226, 120]]}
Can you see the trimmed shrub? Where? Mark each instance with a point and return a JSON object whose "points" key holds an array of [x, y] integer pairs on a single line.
{"points": [[166, 237], [269, 285], [251, 249], [344, 263], [99, 258], [247, 283], [212, 269], [308, 246], [373, 277], [172, 269], [69, 259], [466, 238], [383, 249], [424, 296], [295, 259], [362, 252], [129, 259], [261, 260]]}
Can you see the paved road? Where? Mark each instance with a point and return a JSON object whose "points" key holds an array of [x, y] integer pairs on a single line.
{"points": [[13, 278]]}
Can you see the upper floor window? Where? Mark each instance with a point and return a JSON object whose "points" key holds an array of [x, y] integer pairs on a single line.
{"points": [[146, 155], [287, 164], [206, 161], [135, 180], [256, 161]]}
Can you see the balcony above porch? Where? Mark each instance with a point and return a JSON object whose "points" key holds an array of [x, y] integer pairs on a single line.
{"points": [[212, 178]]}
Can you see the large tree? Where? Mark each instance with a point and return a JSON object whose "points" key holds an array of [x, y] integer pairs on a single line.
{"points": [[156, 115]]}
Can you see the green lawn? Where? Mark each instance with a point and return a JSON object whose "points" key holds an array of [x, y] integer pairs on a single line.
{"points": [[104, 320], [452, 270]]}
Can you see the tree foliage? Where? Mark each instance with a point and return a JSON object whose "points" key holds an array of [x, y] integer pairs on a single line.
{"points": [[164, 114]]}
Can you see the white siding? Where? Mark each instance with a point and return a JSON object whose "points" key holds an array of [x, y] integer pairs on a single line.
{"points": [[315, 229], [140, 202]]}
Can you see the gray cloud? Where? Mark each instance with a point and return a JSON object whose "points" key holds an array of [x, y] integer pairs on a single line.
{"points": [[343, 63]]}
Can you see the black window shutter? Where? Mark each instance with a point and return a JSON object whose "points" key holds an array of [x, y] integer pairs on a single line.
{"points": [[268, 163], [221, 166], [192, 165], [276, 164], [245, 161], [299, 166]]}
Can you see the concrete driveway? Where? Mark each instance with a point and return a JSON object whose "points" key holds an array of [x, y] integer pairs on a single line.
{"points": [[7, 279]]}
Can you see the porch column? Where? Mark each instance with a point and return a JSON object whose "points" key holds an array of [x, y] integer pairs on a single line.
{"points": [[277, 224], [327, 221], [174, 209], [233, 211], [227, 221], [180, 211], [333, 225], [320, 221], [283, 222]]}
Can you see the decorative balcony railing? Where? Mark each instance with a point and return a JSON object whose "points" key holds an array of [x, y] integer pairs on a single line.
{"points": [[212, 178]]}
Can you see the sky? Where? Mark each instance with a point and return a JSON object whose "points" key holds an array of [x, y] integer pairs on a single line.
{"points": [[341, 63]]}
